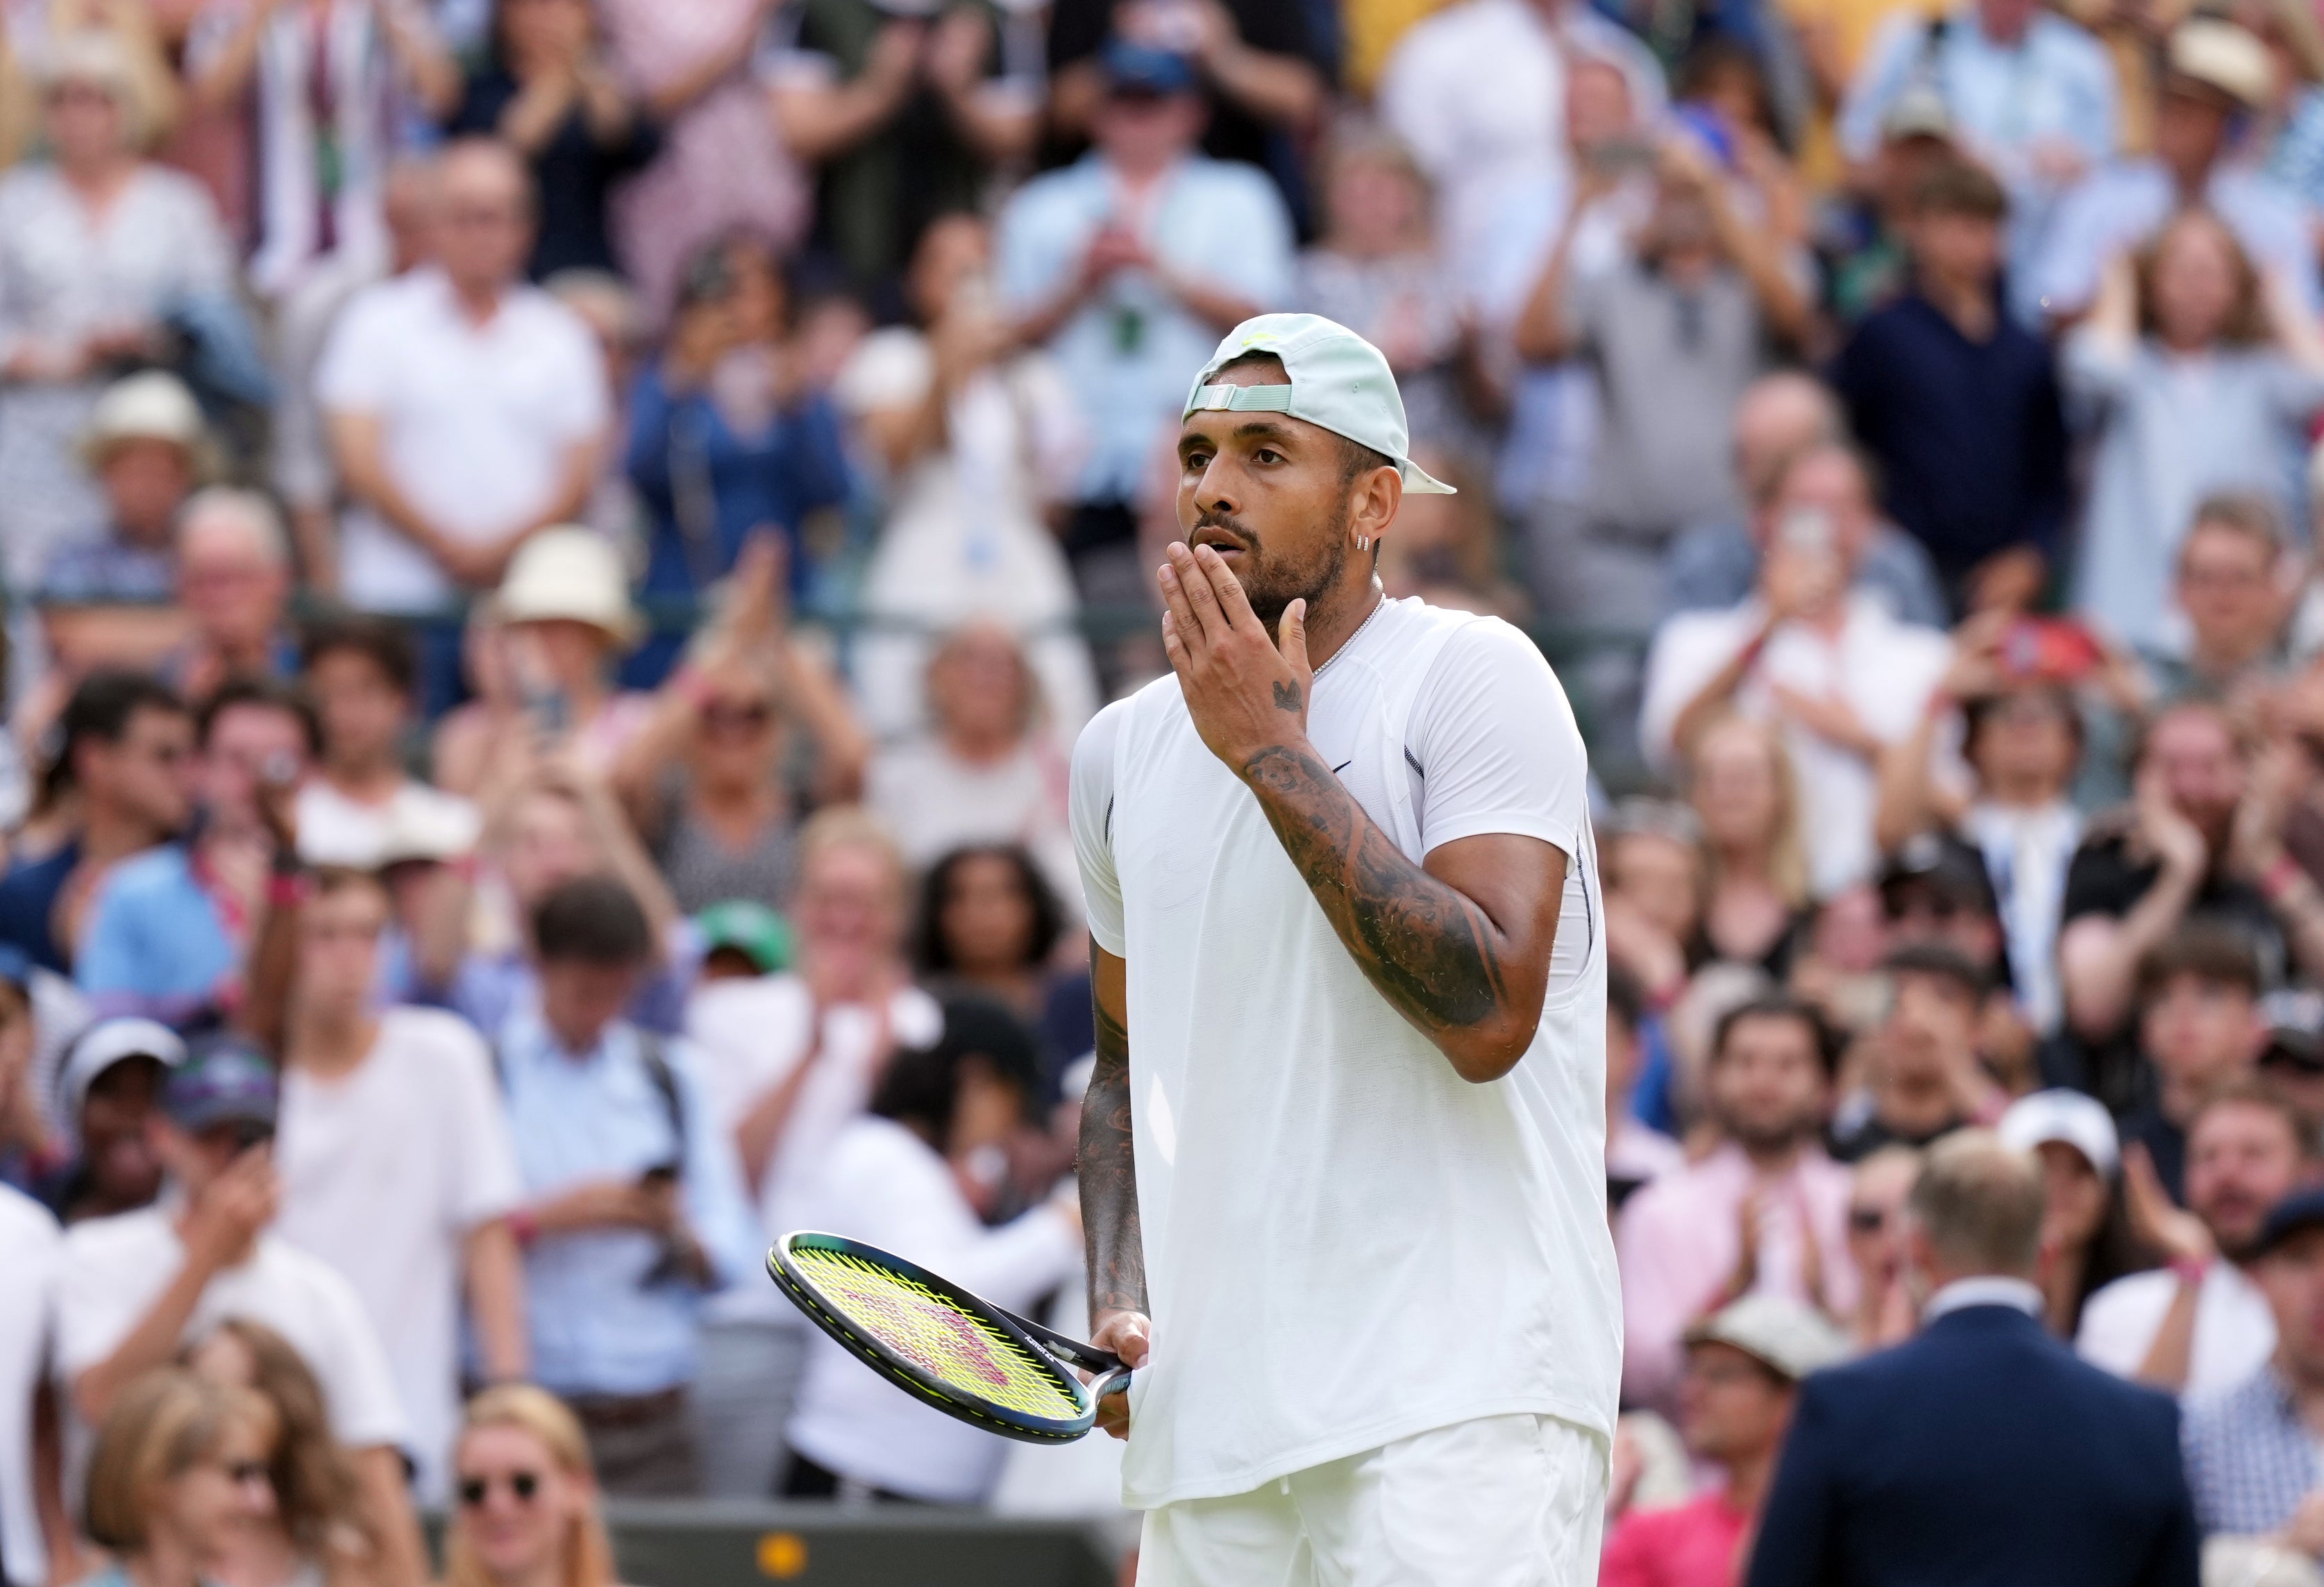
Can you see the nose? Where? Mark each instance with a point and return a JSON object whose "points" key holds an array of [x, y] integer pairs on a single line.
{"points": [[1214, 492]]}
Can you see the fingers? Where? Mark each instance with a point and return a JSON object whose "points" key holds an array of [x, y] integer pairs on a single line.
{"points": [[1291, 636], [1178, 610], [1234, 606], [1202, 600]]}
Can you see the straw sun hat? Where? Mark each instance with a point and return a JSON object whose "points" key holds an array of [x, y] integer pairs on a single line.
{"points": [[571, 573]]}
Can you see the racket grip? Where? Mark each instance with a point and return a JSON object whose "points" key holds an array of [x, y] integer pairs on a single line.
{"points": [[1117, 1381]]}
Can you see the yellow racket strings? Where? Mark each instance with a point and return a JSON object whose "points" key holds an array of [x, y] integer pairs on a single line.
{"points": [[951, 1343]]}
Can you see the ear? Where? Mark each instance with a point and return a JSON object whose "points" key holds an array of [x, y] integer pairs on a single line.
{"points": [[1373, 507]]}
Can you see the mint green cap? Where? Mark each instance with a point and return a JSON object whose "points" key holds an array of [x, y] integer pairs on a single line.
{"points": [[1339, 382]]}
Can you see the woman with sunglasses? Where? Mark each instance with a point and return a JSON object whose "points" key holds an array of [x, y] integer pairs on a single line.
{"points": [[179, 1466], [527, 1497]]}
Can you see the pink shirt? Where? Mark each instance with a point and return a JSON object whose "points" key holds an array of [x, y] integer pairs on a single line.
{"points": [[1677, 1239], [1691, 1545]]}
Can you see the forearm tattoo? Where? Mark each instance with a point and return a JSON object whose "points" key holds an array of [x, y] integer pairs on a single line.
{"points": [[1427, 948], [1108, 1176]]}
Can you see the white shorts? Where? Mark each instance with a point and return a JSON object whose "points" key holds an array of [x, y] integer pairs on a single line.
{"points": [[1502, 1501]]}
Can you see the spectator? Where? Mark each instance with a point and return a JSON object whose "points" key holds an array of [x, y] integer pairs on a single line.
{"points": [[909, 113], [743, 940], [1934, 892], [328, 83], [987, 770], [170, 932], [1711, 566], [1763, 1214], [2199, 1327], [988, 925], [522, 1443], [1996, 1483], [126, 741], [549, 92], [2250, 1459], [1923, 1080], [110, 1085], [2231, 590], [2199, 1025], [2086, 1238], [727, 435], [1127, 265], [166, 1479], [2215, 76], [146, 446], [1637, 1153], [563, 608], [1842, 676], [1745, 793], [466, 409], [1652, 859], [905, 1176], [364, 676], [983, 443], [2194, 302], [32, 1526], [136, 1285], [1959, 403], [1875, 1245], [403, 1098], [234, 585], [1744, 1365], [634, 1210], [790, 1059], [81, 298]]}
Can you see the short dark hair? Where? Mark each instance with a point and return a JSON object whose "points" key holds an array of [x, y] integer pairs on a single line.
{"points": [[1626, 999], [1976, 715], [1781, 1005], [592, 921], [100, 711], [385, 642], [1960, 187], [1941, 962], [933, 955], [2210, 950], [922, 1084], [266, 694]]}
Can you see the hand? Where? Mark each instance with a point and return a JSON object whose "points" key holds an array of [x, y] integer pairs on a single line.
{"points": [[2154, 1218], [1113, 248], [2303, 1533], [1683, 162], [604, 1203], [1830, 718], [1796, 583], [893, 58], [1976, 672], [956, 52], [231, 1210], [1130, 1335], [477, 564], [2057, 162], [2176, 841], [1245, 694], [2007, 581], [2255, 843]]}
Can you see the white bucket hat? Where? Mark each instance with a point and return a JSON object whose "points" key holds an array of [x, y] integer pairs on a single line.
{"points": [[571, 573], [150, 406], [1339, 382]]}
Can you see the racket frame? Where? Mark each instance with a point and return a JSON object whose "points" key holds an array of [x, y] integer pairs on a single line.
{"points": [[1042, 1344]]}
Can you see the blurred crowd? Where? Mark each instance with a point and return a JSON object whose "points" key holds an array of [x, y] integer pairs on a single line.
{"points": [[555, 551]]}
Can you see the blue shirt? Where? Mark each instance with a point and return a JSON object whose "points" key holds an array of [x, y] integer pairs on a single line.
{"points": [[28, 901], [1716, 566], [2250, 1459], [155, 943], [598, 1327], [1132, 350], [2115, 210], [111, 570]]}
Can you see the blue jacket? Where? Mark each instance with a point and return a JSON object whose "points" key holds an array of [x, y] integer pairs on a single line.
{"points": [[1981, 1454]]}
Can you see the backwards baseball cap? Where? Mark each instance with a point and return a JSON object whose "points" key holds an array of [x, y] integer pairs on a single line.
{"points": [[115, 1041], [1339, 382], [222, 1080], [1788, 1337], [2068, 1117]]}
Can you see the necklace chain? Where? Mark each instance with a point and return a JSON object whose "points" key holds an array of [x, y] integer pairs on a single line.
{"points": [[1378, 606]]}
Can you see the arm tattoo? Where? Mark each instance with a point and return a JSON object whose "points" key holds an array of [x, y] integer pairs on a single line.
{"points": [[1109, 1175], [1427, 947]]}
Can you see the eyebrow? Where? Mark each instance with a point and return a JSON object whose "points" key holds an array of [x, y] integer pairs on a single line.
{"points": [[1253, 429]]}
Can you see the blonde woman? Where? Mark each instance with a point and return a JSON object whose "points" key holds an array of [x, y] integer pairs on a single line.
{"points": [[527, 1497], [1747, 795], [179, 1466]]}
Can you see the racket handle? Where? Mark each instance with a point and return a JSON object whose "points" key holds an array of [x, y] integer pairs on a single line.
{"points": [[1117, 1381]]}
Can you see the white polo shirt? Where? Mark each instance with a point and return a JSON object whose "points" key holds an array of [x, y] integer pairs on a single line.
{"points": [[477, 418], [1346, 1243], [29, 1245]]}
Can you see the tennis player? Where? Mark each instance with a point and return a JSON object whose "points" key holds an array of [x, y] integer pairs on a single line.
{"points": [[1342, 1163]]}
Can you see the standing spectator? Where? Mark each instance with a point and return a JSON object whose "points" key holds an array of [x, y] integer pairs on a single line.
{"points": [[1744, 1365], [1652, 853], [2199, 1325], [96, 249], [2230, 589], [467, 409], [126, 744], [108, 1088], [1746, 794], [904, 1177], [1842, 675], [403, 1098], [166, 1491], [989, 925], [528, 1495], [2196, 376], [634, 1210], [2199, 1025], [908, 111], [234, 585], [1959, 403], [549, 92], [1996, 1481], [1763, 1214], [2086, 1239], [147, 448], [137, 1285], [1923, 1080], [1127, 265], [364, 677], [1637, 1153], [33, 1526], [2215, 76], [170, 932], [983, 443]]}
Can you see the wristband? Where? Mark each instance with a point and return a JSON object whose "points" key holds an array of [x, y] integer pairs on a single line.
{"points": [[2282, 874], [525, 1225], [2190, 1271], [286, 890]]}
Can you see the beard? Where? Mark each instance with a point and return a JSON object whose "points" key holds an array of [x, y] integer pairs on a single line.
{"points": [[1269, 581]]}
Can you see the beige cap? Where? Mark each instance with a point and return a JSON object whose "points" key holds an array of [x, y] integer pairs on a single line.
{"points": [[2223, 56], [1788, 1337], [151, 406], [572, 572]]}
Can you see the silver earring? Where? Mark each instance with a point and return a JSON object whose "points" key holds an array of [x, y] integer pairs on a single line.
{"points": [[1363, 542]]}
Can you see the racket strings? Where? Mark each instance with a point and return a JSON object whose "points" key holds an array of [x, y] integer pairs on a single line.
{"points": [[944, 1339]]}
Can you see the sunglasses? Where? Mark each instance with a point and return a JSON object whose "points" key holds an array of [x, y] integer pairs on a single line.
{"points": [[523, 1485], [726, 715], [1867, 1220]]}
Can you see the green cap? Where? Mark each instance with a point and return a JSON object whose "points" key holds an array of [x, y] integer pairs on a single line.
{"points": [[751, 928], [1339, 382]]}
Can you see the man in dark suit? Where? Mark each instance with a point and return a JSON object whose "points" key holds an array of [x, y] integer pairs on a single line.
{"points": [[1980, 1454]]}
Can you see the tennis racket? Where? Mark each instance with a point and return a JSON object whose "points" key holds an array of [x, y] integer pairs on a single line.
{"points": [[941, 1344]]}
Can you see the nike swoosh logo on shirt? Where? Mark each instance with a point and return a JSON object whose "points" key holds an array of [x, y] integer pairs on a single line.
{"points": [[1343, 765]]}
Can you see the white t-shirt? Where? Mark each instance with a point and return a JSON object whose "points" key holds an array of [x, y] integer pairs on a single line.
{"points": [[751, 1035], [29, 1255], [337, 830], [384, 1171], [476, 419], [935, 802], [1346, 1243], [2235, 1331], [115, 1270], [884, 1184]]}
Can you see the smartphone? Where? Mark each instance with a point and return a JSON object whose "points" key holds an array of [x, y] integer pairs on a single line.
{"points": [[1621, 156], [548, 705], [2052, 648]]}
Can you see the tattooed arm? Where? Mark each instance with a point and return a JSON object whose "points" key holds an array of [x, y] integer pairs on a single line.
{"points": [[1109, 1185], [1460, 944]]}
